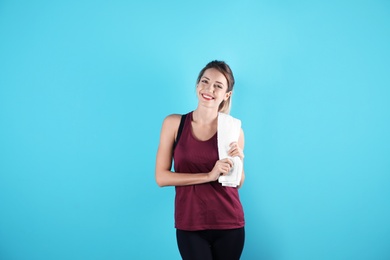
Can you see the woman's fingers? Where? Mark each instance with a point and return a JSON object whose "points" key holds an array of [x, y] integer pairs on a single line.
{"points": [[229, 162], [225, 165], [235, 150]]}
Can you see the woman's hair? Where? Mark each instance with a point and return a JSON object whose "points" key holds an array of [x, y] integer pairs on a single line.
{"points": [[222, 67]]}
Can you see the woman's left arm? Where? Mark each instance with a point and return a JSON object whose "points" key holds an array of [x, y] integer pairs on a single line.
{"points": [[237, 149]]}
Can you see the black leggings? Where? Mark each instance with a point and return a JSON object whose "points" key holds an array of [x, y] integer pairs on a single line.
{"points": [[224, 244]]}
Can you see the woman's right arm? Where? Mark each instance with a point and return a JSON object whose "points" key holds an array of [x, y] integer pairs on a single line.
{"points": [[163, 173]]}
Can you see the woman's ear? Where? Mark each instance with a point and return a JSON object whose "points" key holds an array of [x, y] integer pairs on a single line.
{"points": [[227, 95]]}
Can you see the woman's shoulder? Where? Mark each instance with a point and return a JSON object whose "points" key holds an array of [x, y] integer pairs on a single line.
{"points": [[171, 125], [172, 121], [172, 118], [175, 117]]}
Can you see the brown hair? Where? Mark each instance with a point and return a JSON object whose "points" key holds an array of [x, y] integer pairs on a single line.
{"points": [[222, 67]]}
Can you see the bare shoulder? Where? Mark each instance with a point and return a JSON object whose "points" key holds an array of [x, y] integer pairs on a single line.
{"points": [[170, 126], [172, 121]]}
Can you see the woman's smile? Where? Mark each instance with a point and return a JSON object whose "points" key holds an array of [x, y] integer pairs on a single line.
{"points": [[207, 97]]}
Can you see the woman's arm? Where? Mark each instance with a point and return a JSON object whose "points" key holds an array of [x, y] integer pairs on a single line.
{"points": [[237, 149], [241, 143], [163, 173]]}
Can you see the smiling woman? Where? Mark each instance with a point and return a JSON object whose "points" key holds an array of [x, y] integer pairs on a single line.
{"points": [[209, 218]]}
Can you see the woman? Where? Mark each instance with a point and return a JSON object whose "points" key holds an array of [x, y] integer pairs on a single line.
{"points": [[209, 218]]}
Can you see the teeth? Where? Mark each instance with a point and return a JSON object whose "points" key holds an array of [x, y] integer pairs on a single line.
{"points": [[207, 96]]}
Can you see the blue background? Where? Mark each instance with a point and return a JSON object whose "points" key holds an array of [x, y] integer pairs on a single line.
{"points": [[85, 85]]}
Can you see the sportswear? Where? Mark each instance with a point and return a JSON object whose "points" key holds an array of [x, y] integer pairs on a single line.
{"points": [[207, 205]]}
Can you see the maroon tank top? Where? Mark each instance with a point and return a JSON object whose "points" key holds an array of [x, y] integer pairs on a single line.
{"points": [[208, 205]]}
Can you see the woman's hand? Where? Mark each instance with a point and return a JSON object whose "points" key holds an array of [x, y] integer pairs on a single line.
{"points": [[235, 150], [221, 167]]}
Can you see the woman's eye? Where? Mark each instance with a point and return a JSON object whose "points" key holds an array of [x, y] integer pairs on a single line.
{"points": [[219, 86], [204, 81]]}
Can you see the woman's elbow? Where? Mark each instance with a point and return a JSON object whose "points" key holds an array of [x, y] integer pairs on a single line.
{"points": [[160, 183], [160, 180]]}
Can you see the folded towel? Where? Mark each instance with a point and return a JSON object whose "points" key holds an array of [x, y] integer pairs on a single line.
{"points": [[229, 131]]}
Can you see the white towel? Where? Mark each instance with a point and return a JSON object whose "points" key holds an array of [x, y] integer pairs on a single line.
{"points": [[229, 129]]}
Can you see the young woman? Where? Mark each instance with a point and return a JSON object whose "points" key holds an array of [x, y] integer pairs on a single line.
{"points": [[209, 218]]}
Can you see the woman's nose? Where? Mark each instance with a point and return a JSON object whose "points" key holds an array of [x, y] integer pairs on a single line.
{"points": [[209, 88]]}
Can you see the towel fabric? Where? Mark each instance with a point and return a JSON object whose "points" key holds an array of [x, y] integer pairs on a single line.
{"points": [[229, 131]]}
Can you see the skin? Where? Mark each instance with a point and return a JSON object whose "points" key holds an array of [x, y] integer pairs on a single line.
{"points": [[211, 91]]}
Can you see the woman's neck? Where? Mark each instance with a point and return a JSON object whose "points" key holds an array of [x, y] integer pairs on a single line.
{"points": [[204, 116]]}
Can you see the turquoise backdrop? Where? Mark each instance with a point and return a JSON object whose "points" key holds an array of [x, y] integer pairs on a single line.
{"points": [[85, 85]]}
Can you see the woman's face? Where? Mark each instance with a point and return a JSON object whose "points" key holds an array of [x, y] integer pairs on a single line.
{"points": [[212, 87]]}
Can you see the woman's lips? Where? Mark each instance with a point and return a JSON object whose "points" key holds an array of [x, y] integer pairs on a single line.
{"points": [[207, 97]]}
